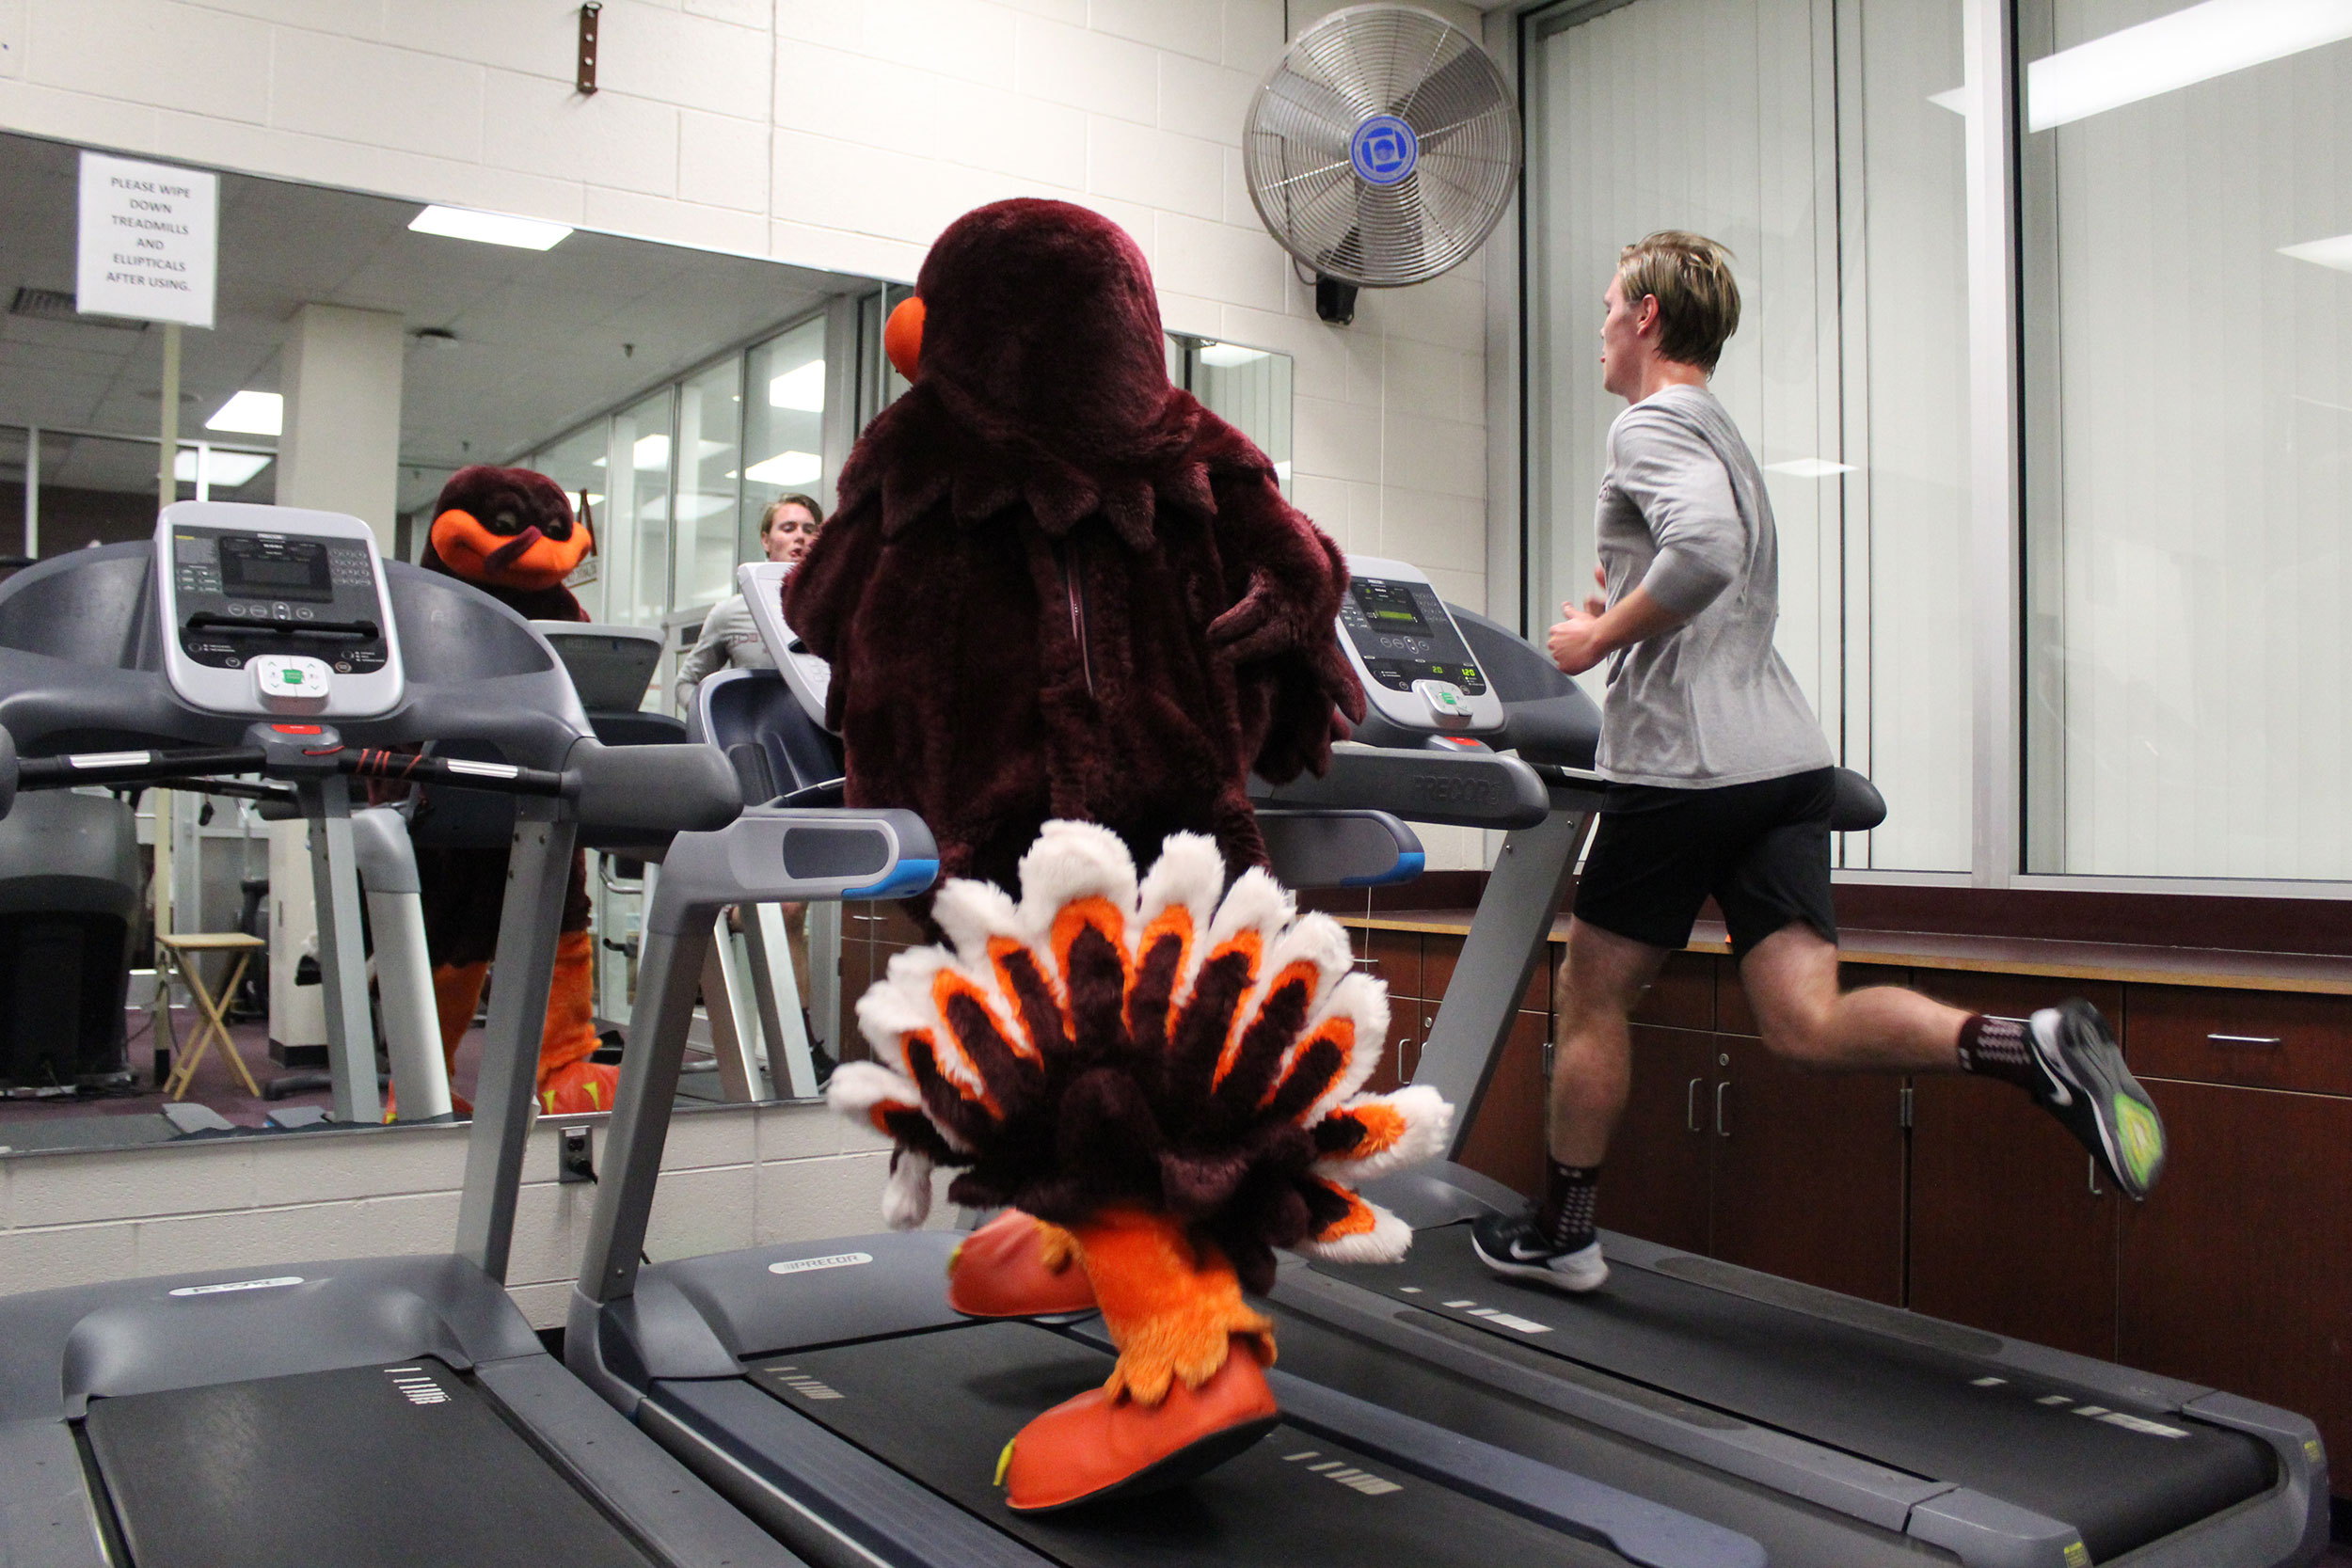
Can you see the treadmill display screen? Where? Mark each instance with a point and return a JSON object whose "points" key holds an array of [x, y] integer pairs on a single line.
{"points": [[242, 592], [1404, 635], [260, 567]]}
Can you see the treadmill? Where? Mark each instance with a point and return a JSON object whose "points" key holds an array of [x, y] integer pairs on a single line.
{"points": [[1852, 1432], [828, 1390], [1823, 1429], [363, 1412]]}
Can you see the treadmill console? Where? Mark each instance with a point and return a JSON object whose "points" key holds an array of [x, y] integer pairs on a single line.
{"points": [[761, 583], [273, 609], [1418, 672]]}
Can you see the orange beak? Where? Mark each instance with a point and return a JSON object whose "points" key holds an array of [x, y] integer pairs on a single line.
{"points": [[525, 559], [902, 335]]}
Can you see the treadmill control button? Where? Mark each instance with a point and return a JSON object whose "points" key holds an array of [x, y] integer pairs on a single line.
{"points": [[1447, 706]]}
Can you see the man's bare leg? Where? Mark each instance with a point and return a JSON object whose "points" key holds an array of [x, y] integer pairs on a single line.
{"points": [[1791, 981], [1601, 980]]}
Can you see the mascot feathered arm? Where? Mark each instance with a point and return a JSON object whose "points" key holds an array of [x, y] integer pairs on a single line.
{"points": [[1289, 674]]}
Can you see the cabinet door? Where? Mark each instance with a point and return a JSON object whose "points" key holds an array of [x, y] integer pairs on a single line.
{"points": [[2233, 1270], [1654, 1184], [1507, 1140], [1807, 1172], [2008, 1233]]}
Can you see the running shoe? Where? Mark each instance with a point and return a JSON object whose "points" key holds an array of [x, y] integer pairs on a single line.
{"points": [[2094, 1094], [1515, 1245]]}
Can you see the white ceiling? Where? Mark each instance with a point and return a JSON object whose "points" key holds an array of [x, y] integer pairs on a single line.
{"points": [[541, 338]]}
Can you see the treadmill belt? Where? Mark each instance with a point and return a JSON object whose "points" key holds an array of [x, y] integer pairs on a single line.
{"points": [[940, 1406], [2122, 1476], [365, 1467]]}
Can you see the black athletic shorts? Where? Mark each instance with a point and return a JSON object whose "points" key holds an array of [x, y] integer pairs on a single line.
{"points": [[1761, 848]]}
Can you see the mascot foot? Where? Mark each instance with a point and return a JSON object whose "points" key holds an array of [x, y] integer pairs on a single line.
{"points": [[577, 1086], [1104, 1445], [1017, 1266]]}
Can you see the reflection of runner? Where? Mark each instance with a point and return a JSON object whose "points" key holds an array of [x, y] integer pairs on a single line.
{"points": [[1721, 783], [729, 640]]}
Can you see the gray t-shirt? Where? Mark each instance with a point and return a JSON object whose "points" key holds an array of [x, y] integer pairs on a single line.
{"points": [[730, 639], [1683, 513]]}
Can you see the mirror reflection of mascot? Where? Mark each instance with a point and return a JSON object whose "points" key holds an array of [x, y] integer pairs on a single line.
{"points": [[510, 533], [1069, 612]]}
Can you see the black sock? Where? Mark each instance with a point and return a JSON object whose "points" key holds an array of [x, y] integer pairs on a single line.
{"points": [[1565, 1217], [1997, 1048]]}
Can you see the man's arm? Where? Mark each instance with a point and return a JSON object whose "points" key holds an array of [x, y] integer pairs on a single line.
{"points": [[1587, 638]]}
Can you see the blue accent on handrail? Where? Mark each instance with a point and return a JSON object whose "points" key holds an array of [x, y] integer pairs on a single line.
{"points": [[1409, 864], [907, 876]]}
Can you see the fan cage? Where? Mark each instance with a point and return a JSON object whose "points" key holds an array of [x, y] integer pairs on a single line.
{"points": [[1382, 60]]}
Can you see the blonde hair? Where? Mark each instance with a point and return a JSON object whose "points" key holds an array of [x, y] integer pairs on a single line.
{"points": [[1689, 276]]}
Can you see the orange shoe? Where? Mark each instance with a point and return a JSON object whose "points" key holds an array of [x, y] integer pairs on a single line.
{"points": [[578, 1086], [1101, 1445], [1017, 1266]]}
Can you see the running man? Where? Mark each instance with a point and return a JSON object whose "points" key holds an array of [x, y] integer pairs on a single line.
{"points": [[1721, 782]]}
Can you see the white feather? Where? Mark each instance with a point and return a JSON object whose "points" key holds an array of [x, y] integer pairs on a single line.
{"points": [[1428, 1121], [1365, 1001], [857, 1088], [1385, 1243], [907, 1195], [1069, 861], [970, 913]]}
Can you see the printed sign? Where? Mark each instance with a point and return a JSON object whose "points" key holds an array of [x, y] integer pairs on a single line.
{"points": [[150, 237]]}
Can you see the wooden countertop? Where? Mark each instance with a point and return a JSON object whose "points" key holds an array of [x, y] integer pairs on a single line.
{"points": [[2227, 968]]}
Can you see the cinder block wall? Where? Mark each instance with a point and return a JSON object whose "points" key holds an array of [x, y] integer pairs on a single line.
{"points": [[733, 1176]]}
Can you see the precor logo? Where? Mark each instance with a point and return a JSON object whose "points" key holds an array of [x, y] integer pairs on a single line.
{"points": [[836, 1260]]}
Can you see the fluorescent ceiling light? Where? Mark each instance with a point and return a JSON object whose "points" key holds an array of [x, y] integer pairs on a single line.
{"points": [[1226, 356], [803, 389], [227, 470], [1810, 467], [651, 452], [251, 414], [458, 223], [786, 467], [2190, 45], [1954, 99], [2336, 253]]}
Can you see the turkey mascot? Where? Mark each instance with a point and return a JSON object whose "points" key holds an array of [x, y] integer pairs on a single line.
{"points": [[510, 533], [1069, 612]]}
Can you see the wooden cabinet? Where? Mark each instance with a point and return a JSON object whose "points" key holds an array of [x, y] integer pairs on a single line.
{"points": [[1807, 1173], [2011, 1232], [1656, 1182], [2234, 1271], [1507, 1140]]}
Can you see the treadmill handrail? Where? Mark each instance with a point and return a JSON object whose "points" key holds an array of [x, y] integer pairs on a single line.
{"points": [[1459, 789]]}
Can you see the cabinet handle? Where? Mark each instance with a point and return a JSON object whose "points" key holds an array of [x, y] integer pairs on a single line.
{"points": [[1722, 1125], [1690, 1105], [2245, 1042], [2092, 1159]]}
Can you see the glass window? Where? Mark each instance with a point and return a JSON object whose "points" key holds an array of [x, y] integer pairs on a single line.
{"points": [[1806, 138], [784, 424], [2188, 705], [710, 417], [578, 462], [638, 594]]}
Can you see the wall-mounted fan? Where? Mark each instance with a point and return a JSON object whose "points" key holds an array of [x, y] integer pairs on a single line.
{"points": [[1380, 150]]}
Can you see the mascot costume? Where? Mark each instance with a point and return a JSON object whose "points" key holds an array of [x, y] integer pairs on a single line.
{"points": [[1069, 612], [510, 533]]}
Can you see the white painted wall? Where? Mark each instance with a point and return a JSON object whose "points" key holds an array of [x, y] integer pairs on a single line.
{"points": [[837, 134]]}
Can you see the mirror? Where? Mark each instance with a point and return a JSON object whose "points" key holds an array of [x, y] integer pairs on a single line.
{"points": [[680, 391]]}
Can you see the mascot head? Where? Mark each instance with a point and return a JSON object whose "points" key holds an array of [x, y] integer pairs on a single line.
{"points": [[1038, 319], [506, 528]]}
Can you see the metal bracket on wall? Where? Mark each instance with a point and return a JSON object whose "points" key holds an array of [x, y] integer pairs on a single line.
{"points": [[586, 78]]}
